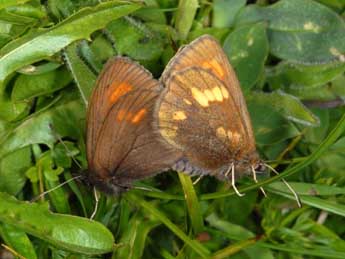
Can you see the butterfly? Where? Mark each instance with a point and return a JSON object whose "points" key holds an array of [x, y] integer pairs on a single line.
{"points": [[203, 114], [122, 146]]}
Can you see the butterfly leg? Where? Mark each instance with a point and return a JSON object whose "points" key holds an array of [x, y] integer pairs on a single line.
{"points": [[232, 170], [96, 205], [198, 179], [256, 181]]}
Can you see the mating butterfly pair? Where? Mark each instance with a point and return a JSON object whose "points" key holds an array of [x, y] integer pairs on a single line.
{"points": [[197, 123]]}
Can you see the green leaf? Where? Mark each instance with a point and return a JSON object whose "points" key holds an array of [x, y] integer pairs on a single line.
{"points": [[225, 11], [41, 45], [65, 116], [184, 17], [136, 40], [12, 170], [288, 105], [295, 76], [247, 49], [27, 87], [17, 240], [66, 232], [300, 30], [269, 125]]}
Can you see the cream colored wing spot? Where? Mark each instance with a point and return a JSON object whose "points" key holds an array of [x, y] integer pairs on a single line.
{"points": [[224, 92], [221, 133], [234, 136], [179, 116], [200, 97], [210, 96], [217, 93]]}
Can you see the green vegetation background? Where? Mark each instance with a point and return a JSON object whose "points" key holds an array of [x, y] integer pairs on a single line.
{"points": [[290, 58]]}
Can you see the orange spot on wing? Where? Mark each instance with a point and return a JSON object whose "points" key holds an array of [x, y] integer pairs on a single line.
{"points": [[120, 90], [215, 67], [139, 116], [121, 115]]}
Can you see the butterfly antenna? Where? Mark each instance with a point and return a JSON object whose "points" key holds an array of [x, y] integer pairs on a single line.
{"points": [[198, 179], [56, 187], [232, 170], [96, 204], [63, 143], [256, 181], [298, 200]]}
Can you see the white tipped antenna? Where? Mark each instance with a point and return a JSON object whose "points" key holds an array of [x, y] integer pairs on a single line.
{"points": [[298, 200]]}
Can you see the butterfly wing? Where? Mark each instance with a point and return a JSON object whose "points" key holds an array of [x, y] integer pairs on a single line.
{"points": [[202, 110], [206, 53], [121, 145]]}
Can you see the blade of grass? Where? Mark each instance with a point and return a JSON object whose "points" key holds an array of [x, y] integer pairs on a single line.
{"points": [[315, 202], [233, 249], [192, 203], [197, 247]]}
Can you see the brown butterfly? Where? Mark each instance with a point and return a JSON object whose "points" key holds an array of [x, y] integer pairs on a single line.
{"points": [[202, 113], [121, 144]]}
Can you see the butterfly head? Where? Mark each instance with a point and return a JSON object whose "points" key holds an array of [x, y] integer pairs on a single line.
{"points": [[246, 164], [108, 185]]}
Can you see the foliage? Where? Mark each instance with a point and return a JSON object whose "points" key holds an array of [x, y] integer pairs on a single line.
{"points": [[290, 60]]}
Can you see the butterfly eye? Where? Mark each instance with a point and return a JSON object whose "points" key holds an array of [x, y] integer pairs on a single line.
{"points": [[260, 168]]}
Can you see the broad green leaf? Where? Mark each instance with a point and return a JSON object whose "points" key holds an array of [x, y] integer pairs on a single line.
{"points": [[247, 49], [39, 69], [269, 126], [29, 86], [184, 17], [66, 232], [288, 105], [17, 240], [225, 11], [12, 170], [296, 76], [45, 43], [66, 117], [136, 39], [328, 95], [300, 30]]}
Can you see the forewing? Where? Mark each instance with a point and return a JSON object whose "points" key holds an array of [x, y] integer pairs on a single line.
{"points": [[206, 53], [120, 140], [198, 115]]}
